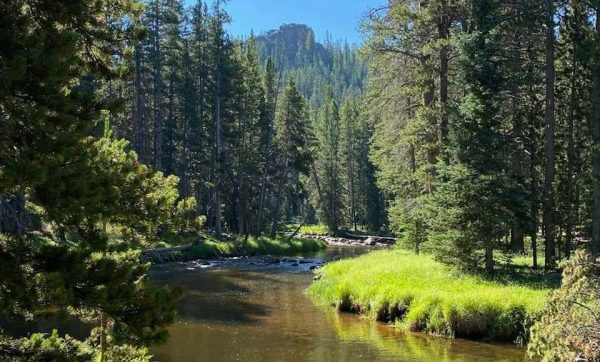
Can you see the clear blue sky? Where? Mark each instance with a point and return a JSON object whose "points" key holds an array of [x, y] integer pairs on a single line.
{"points": [[338, 17]]}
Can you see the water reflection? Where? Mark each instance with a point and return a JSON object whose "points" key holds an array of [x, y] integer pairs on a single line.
{"points": [[395, 342], [237, 314]]}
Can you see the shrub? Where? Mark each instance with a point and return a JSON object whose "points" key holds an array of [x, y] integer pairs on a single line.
{"points": [[569, 327]]}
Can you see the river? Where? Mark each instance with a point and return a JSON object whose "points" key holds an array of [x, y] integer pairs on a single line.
{"points": [[249, 310]]}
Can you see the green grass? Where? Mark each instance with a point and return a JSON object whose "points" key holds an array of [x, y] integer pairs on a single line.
{"points": [[527, 260], [423, 295], [254, 246], [318, 229]]}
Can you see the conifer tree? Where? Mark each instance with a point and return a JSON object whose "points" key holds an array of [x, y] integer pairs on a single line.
{"points": [[477, 199], [101, 203], [328, 136], [291, 144]]}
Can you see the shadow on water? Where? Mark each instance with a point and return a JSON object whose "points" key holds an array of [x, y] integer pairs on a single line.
{"points": [[216, 296], [64, 324], [238, 312], [258, 314]]}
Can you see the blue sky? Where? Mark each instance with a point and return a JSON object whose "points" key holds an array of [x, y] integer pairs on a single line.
{"points": [[338, 17]]}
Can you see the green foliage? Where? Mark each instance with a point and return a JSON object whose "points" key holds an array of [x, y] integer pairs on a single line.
{"points": [[468, 214], [41, 348], [405, 103], [42, 84], [96, 203], [362, 197], [318, 229], [328, 165], [569, 326], [423, 295], [128, 353], [477, 199], [254, 246], [293, 134], [85, 193]]}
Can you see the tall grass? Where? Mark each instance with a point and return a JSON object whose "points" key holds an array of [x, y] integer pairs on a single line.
{"points": [[423, 295]]}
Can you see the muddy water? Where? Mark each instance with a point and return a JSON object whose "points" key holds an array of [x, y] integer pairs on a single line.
{"points": [[253, 311]]}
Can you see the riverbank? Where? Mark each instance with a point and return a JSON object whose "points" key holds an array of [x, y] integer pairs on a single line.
{"points": [[257, 308], [343, 238], [308, 238], [420, 294], [352, 240], [211, 248]]}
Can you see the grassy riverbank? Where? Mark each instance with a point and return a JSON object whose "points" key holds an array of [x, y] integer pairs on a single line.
{"points": [[318, 229], [423, 295], [263, 245]]}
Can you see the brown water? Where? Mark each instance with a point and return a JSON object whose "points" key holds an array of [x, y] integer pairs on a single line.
{"points": [[260, 313]]}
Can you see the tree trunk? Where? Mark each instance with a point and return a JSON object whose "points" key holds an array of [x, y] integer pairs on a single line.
{"points": [[317, 183], [218, 159], [489, 258], [158, 122], [534, 206], [550, 141], [569, 209], [265, 173], [350, 170], [184, 186], [595, 246], [443, 34], [517, 243], [261, 202], [12, 213], [428, 104], [103, 344], [138, 112], [168, 141], [275, 224]]}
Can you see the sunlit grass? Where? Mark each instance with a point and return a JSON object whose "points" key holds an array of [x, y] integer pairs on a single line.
{"points": [[423, 295], [318, 229], [527, 260], [254, 246]]}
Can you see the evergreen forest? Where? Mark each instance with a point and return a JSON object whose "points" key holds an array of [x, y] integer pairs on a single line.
{"points": [[456, 150]]}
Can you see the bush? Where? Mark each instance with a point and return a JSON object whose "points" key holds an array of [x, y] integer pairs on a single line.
{"points": [[41, 348], [569, 327]]}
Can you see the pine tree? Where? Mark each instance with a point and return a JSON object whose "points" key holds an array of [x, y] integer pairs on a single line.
{"points": [[328, 135], [270, 89], [477, 199], [291, 144], [102, 203], [595, 125], [550, 130]]}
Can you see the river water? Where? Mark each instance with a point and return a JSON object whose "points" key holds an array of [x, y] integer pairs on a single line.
{"points": [[249, 310]]}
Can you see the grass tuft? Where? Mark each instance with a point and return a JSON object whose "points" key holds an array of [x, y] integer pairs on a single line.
{"points": [[423, 295]]}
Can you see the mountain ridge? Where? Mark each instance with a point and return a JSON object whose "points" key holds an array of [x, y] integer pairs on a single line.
{"points": [[316, 67]]}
